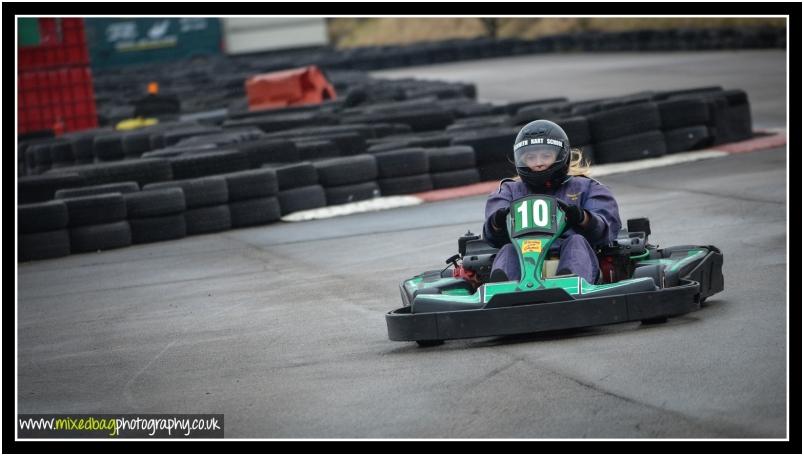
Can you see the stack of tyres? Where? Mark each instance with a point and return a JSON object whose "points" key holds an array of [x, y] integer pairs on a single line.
{"points": [[200, 164], [299, 189], [629, 132], [253, 197], [452, 166], [156, 214], [317, 149], [262, 151], [118, 187], [97, 222], [36, 189], [577, 130], [61, 154], [153, 215], [404, 171], [684, 124], [108, 147], [493, 150], [43, 230], [206, 201], [729, 114], [348, 179], [142, 171], [405, 141]]}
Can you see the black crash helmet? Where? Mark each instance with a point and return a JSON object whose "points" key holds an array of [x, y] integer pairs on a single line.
{"points": [[538, 142]]}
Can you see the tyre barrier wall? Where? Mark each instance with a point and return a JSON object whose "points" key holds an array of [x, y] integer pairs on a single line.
{"points": [[240, 175], [212, 82]]}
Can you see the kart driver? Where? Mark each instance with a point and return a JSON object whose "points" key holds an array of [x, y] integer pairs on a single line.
{"points": [[546, 165]]}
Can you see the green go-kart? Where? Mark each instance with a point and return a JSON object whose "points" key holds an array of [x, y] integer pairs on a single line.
{"points": [[638, 282]]}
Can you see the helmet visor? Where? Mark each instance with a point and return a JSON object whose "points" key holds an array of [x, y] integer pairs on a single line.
{"points": [[537, 156]]}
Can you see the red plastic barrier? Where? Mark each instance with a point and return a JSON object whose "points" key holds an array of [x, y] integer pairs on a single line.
{"points": [[47, 96], [54, 80], [62, 43], [287, 88]]}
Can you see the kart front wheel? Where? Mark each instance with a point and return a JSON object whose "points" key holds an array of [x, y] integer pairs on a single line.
{"points": [[429, 343]]}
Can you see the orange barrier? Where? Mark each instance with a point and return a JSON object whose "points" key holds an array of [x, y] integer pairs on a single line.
{"points": [[288, 87]]}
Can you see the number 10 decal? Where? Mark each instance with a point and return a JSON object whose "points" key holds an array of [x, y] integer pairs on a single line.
{"points": [[541, 213]]}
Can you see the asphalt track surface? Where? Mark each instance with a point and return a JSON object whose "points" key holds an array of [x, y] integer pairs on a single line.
{"points": [[281, 328]]}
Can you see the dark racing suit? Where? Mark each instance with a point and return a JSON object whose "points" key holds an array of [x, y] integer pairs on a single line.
{"points": [[576, 247]]}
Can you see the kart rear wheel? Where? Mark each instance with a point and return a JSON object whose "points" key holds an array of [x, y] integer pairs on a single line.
{"points": [[429, 343], [654, 321]]}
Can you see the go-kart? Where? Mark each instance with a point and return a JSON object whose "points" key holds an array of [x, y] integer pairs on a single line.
{"points": [[638, 282]]}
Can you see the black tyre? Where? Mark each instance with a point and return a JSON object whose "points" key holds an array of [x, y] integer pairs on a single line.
{"points": [[105, 236], [206, 191], [739, 121], [450, 158], [475, 123], [588, 153], [496, 171], [258, 211], [683, 112], [425, 119], [44, 245], [317, 150], [405, 184], [644, 145], [118, 187], [278, 122], [108, 147], [402, 162], [530, 113], [208, 219], [429, 343], [141, 171], [346, 170], [253, 183], [156, 229], [695, 91], [35, 189], [302, 198], [41, 155], [136, 143], [83, 149], [62, 154], [687, 138], [40, 217], [720, 128], [438, 139], [513, 107], [350, 193], [624, 121], [208, 163], [577, 130], [95, 209], [173, 136], [155, 202], [294, 175], [490, 145], [457, 178], [348, 143], [269, 151]]}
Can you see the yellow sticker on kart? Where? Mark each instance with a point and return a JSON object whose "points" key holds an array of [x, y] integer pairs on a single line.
{"points": [[532, 246]]}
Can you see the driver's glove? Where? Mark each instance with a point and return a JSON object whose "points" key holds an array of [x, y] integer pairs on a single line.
{"points": [[498, 219], [574, 214]]}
